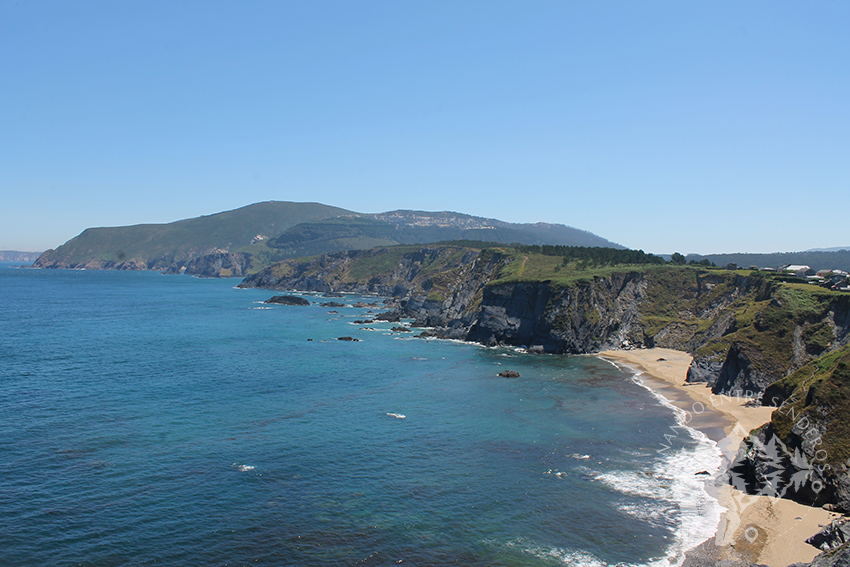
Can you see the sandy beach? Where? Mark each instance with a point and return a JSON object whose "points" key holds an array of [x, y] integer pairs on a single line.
{"points": [[754, 529]]}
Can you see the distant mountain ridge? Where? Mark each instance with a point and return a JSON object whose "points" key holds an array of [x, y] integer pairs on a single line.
{"points": [[541, 232], [245, 240], [833, 249]]}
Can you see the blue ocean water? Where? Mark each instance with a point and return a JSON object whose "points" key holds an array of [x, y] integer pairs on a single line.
{"points": [[167, 420]]}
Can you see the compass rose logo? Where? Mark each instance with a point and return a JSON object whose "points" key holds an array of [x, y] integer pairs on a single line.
{"points": [[777, 468], [768, 468]]}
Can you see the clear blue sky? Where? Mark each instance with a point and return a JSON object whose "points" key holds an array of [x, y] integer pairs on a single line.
{"points": [[690, 126]]}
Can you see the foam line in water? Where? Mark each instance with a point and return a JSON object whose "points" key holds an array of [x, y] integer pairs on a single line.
{"points": [[578, 557]]}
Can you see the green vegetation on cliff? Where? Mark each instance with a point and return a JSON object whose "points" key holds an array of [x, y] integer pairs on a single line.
{"points": [[567, 265], [817, 395]]}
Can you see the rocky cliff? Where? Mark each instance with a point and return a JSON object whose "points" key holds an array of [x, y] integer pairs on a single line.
{"points": [[454, 291], [216, 265], [589, 316], [739, 327], [781, 330]]}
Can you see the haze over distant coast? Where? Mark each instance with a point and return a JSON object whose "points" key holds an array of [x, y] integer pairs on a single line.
{"points": [[18, 256]]}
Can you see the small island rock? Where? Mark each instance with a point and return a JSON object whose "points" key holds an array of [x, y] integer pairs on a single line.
{"points": [[389, 316], [509, 374]]}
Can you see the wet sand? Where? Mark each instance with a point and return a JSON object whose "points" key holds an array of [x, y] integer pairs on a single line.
{"points": [[754, 529]]}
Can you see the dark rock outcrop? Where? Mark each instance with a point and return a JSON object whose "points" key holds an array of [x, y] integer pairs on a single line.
{"points": [[287, 300], [832, 537], [389, 316], [706, 369], [746, 372]]}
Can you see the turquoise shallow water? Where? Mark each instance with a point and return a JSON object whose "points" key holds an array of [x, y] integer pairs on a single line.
{"points": [[167, 420]]}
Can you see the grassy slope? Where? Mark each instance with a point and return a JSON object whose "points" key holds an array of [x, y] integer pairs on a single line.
{"points": [[817, 394]]}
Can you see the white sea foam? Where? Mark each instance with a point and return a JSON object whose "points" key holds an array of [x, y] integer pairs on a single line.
{"points": [[568, 556], [396, 415], [578, 557], [244, 468], [674, 480], [655, 514], [556, 473]]}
